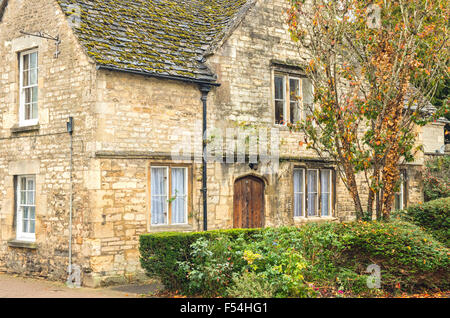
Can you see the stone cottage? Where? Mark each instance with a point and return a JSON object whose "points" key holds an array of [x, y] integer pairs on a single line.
{"points": [[104, 107]]}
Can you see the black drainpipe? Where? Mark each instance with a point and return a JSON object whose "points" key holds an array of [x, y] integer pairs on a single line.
{"points": [[205, 89]]}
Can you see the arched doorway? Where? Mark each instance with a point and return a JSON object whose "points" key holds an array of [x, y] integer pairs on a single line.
{"points": [[248, 203]]}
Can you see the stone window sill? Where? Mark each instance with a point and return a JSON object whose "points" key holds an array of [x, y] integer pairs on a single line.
{"points": [[22, 244], [170, 228], [314, 219], [16, 129]]}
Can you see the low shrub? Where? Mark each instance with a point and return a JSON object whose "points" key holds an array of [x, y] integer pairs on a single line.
{"points": [[161, 253], [409, 258], [433, 216], [329, 258]]}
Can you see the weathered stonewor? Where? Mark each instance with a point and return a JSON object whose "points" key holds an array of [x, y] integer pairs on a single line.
{"points": [[125, 123]]}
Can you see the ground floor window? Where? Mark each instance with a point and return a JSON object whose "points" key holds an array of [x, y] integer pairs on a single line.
{"points": [[313, 190], [169, 195], [26, 208]]}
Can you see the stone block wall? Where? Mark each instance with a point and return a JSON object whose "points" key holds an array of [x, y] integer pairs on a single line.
{"points": [[65, 88]]}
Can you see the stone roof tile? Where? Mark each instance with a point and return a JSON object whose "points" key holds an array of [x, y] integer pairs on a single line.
{"points": [[167, 37]]}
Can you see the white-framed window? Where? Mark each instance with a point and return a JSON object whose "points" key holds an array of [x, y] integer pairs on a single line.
{"points": [[313, 192], [293, 98], [28, 85], [26, 208], [169, 195]]}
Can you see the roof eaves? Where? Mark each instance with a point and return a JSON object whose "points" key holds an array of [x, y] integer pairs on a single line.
{"points": [[162, 76]]}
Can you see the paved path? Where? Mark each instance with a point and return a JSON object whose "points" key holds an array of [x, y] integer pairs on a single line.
{"points": [[12, 286]]}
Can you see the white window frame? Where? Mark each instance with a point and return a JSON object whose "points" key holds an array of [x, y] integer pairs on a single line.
{"points": [[22, 121], [401, 194], [302, 213], [20, 234], [287, 97], [168, 170]]}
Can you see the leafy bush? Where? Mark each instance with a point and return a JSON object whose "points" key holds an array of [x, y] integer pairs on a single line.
{"points": [[437, 178], [250, 285], [409, 257], [161, 253], [433, 216], [329, 258]]}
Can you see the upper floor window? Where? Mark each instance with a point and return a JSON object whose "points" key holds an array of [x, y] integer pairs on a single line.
{"points": [[313, 189], [26, 208], [293, 98], [28, 109]]}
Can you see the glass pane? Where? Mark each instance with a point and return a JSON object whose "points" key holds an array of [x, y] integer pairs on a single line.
{"points": [[33, 77], [33, 60], [28, 92], [178, 193], [159, 182], [23, 197], [32, 211], [307, 91], [30, 184], [25, 226], [32, 226], [279, 112], [159, 195], [34, 111], [298, 192], [279, 87], [298, 204], [25, 215], [295, 112], [30, 197], [26, 62], [34, 94], [158, 210], [312, 192], [325, 189], [25, 80]]}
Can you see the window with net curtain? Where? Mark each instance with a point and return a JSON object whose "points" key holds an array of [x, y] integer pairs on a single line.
{"points": [[168, 195], [26, 208], [314, 199], [293, 98]]}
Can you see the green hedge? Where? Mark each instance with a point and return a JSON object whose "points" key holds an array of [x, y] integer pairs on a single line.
{"points": [[161, 252], [433, 216]]}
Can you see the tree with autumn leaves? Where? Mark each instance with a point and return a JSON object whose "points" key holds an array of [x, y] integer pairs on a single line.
{"points": [[375, 65]]}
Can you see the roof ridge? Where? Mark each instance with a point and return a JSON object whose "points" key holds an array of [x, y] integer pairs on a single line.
{"points": [[223, 36]]}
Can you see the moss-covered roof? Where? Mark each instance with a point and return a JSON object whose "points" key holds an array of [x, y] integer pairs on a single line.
{"points": [[165, 37]]}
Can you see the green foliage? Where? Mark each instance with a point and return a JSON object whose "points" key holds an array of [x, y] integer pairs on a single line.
{"points": [[408, 256], [161, 253], [329, 258], [437, 178], [250, 285], [433, 216]]}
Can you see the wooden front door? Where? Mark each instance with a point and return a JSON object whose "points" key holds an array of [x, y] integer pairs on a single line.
{"points": [[248, 203]]}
